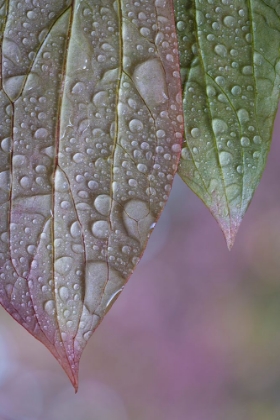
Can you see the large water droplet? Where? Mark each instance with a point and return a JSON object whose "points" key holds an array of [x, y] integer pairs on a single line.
{"points": [[102, 204], [225, 158], [101, 229], [63, 265]]}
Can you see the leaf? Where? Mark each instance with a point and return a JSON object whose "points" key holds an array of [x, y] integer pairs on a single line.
{"points": [[229, 53], [91, 129]]}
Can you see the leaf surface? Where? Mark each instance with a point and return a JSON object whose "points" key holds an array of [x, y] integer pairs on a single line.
{"points": [[229, 53], [90, 131]]}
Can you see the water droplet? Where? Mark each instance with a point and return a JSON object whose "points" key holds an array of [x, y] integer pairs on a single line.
{"points": [[135, 125], [78, 158], [100, 99], [19, 160], [60, 181], [49, 307], [77, 248], [65, 205], [243, 116], [63, 293], [219, 126], [78, 88], [31, 249], [247, 70], [236, 90], [41, 133], [142, 168], [63, 265], [225, 158], [229, 21], [6, 144], [195, 132], [75, 229], [25, 182], [220, 50], [93, 185], [149, 79], [102, 204], [132, 183], [257, 140], [101, 229], [31, 15], [245, 141]]}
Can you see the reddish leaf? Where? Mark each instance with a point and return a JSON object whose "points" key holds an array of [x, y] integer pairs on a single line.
{"points": [[90, 139]]}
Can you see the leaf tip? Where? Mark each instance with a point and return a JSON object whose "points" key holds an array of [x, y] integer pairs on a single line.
{"points": [[72, 371], [230, 227], [73, 376]]}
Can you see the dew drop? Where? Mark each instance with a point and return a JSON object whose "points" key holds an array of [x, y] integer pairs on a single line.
{"points": [[41, 133], [78, 88], [219, 126], [257, 140], [142, 168], [49, 307], [243, 115], [101, 229], [245, 141], [225, 158], [195, 132], [25, 182], [247, 70], [229, 21], [63, 293], [75, 229], [220, 50], [236, 90], [78, 158], [102, 204], [135, 125], [63, 265], [239, 169]]}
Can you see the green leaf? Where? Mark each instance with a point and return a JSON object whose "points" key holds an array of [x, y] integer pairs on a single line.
{"points": [[229, 53], [90, 134]]}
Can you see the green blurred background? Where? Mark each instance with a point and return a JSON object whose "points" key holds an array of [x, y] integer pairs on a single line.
{"points": [[195, 335]]}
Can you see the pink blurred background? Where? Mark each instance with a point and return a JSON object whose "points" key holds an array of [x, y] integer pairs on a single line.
{"points": [[195, 334]]}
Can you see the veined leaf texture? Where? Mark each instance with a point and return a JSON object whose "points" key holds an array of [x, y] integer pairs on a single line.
{"points": [[230, 66], [90, 132]]}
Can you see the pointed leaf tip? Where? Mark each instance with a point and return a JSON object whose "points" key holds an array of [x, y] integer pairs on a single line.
{"points": [[229, 228], [91, 133]]}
